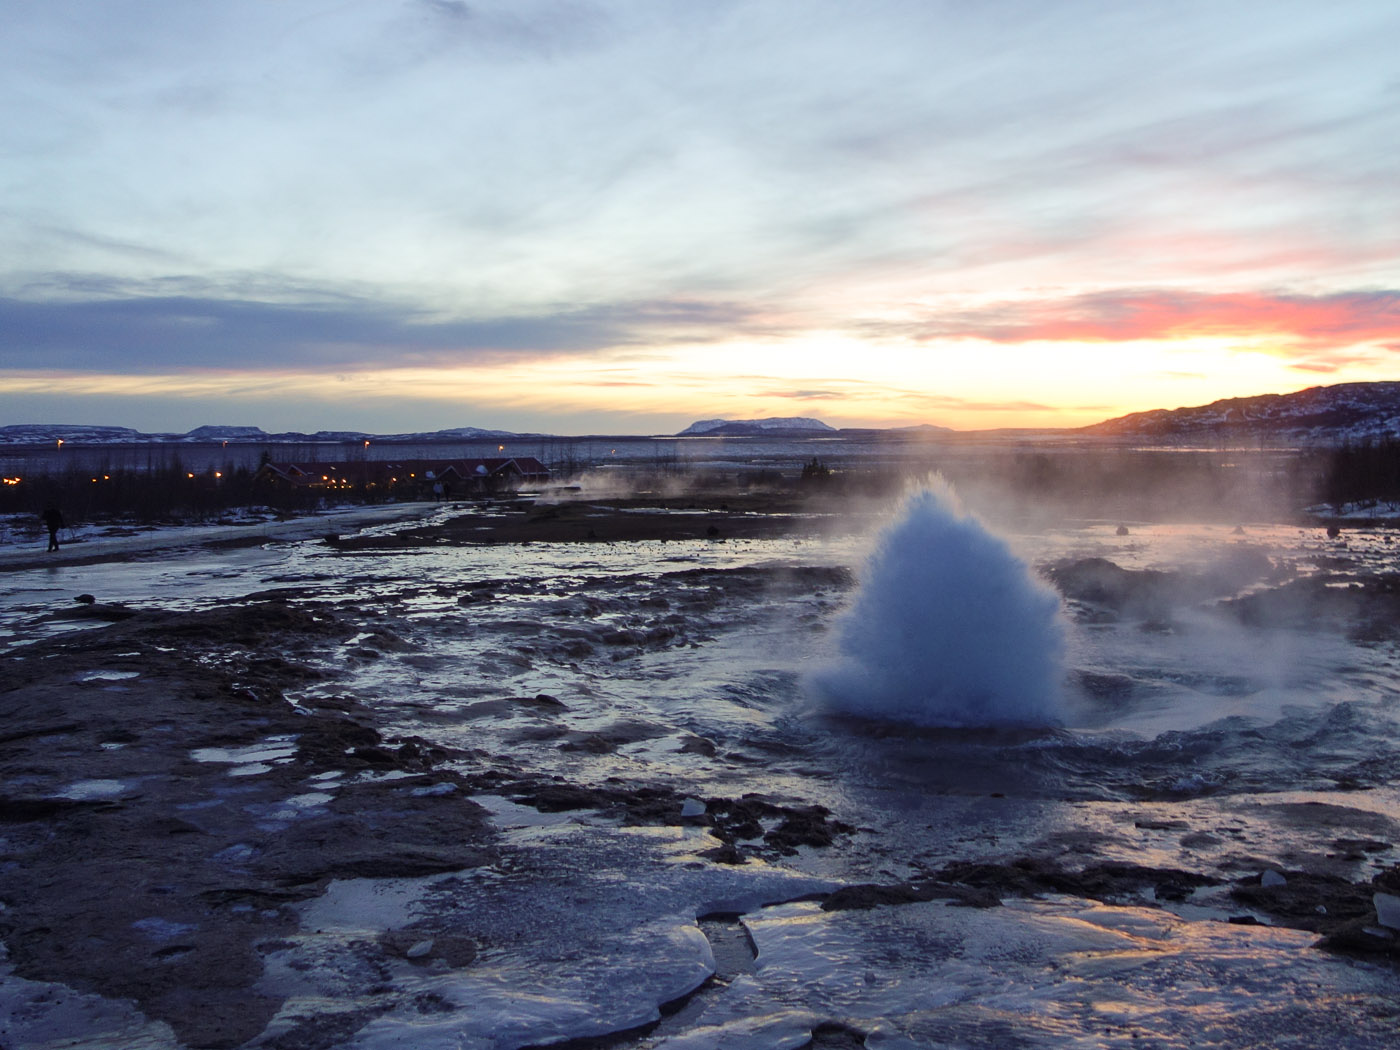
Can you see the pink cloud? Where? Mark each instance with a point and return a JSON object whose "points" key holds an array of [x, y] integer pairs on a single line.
{"points": [[1341, 319]]}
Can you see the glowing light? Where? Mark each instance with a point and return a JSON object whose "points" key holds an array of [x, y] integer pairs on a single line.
{"points": [[1026, 364], [189, 475], [218, 473], [60, 442]]}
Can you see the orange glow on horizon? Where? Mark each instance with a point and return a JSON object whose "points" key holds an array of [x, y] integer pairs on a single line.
{"points": [[1063, 369]]}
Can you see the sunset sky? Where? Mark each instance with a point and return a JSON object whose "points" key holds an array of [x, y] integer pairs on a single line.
{"points": [[625, 215]]}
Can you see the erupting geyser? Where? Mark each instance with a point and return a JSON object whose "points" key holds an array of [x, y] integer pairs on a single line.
{"points": [[949, 627]]}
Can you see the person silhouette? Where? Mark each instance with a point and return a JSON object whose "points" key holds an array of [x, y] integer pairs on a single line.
{"points": [[53, 521]]}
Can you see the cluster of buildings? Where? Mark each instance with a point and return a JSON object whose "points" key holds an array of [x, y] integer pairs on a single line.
{"points": [[413, 478]]}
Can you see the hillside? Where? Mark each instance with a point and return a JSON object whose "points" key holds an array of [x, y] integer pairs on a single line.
{"points": [[1322, 415]]}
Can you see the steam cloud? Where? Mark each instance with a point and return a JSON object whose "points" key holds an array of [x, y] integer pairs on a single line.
{"points": [[949, 627]]}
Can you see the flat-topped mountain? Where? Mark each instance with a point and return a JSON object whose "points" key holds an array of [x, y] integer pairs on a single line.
{"points": [[1346, 412], [785, 426]]}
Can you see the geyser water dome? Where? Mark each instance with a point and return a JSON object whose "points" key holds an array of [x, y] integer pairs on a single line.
{"points": [[948, 628]]}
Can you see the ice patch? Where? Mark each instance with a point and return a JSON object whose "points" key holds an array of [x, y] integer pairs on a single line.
{"points": [[107, 676], [94, 790], [1039, 973], [784, 1030], [585, 932], [274, 749], [508, 814], [45, 1016], [438, 790]]}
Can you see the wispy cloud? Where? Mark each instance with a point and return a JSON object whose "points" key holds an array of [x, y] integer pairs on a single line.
{"points": [[348, 188], [179, 333]]}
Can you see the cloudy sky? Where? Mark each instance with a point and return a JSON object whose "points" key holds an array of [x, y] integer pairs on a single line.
{"points": [[624, 215]]}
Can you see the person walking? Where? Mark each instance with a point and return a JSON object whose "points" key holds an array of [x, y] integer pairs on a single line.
{"points": [[53, 521]]}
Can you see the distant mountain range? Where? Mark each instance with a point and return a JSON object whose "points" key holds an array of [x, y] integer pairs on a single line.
{"points": [[78, 433], [1321, 415]]}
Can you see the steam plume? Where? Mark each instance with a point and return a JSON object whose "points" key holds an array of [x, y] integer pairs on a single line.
{"points": [[949, 627]]}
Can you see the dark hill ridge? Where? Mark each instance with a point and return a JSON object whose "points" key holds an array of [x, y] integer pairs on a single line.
{"points": [[1346, 412]]}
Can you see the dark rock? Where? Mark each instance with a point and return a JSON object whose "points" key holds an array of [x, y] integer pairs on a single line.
{"points": [[94, 611], [808, 826], [1363, 937], [326, 742], [735, 820], [1109, 882], [1098, 582], [1357, 849], [728, 853], [25, 810], [612, 736], [375, 756], [1295, 902], [560, 798], [832, 1035], [870, 895], [1149, 594], [1368, 609], [1388, 881], [625, 637]]}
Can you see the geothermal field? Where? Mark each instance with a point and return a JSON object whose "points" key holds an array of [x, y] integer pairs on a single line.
{"points": [[708, 766]]}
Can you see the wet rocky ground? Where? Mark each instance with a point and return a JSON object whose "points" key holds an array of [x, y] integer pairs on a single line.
{"points": [[177, 787]]}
